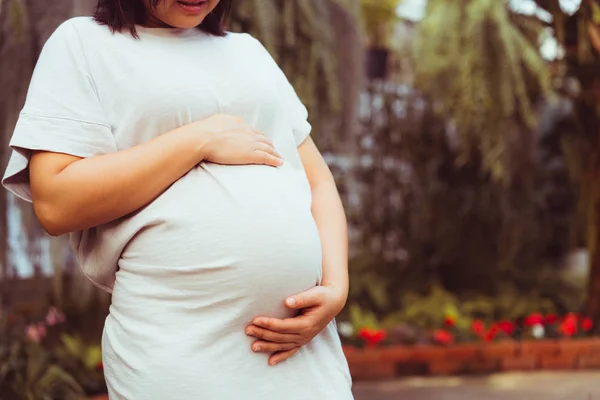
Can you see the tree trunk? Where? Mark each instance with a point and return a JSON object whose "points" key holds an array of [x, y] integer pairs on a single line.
{"points": [[590, 123], [351, 72], [593, 234], [593, 300], [25, 25], [15, 71]]}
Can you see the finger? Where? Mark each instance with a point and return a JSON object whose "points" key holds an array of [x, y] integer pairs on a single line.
{"points": [[262, 157], [282, 356], [264, 139], [288, 325], [312, 297], [271, 336], [268, 148], [261, 346]]}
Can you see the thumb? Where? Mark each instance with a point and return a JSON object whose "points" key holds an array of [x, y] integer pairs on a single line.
{"points": [[308, 298]]}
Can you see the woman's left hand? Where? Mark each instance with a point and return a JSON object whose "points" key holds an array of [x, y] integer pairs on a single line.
{"points": [[283, 337]]}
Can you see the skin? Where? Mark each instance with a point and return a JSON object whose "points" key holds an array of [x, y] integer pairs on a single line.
{"points": [[169, 14], [70, 194]]}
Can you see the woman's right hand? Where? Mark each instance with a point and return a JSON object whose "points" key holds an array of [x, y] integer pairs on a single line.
{"points": [[229, 140]]}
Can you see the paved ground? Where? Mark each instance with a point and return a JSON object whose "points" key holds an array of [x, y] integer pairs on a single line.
{"points": [[513, 386]]}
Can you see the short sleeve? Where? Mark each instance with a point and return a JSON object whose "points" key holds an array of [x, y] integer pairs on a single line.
{"points": [[62, 112], [296, 110]]}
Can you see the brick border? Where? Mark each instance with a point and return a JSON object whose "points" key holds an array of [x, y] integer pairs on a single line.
{"points": [[473, 358]]}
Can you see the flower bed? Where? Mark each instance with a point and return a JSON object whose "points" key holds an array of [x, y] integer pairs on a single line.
{"points": [[473, 358], [534, 342]]}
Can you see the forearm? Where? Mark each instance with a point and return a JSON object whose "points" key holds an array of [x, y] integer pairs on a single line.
{"points": [[97, 190], [330, 218]]}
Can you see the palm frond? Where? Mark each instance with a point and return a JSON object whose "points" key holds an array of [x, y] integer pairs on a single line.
{"points": [[483, 72], [301, 37]]}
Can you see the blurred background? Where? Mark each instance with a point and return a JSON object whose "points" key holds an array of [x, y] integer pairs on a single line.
{"points": [[465, 141]]}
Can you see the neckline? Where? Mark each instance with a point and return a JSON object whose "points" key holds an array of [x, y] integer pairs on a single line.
{"points": [[168, 32]]}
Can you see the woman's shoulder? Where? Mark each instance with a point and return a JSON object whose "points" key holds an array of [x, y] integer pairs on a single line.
{"points": [[85, 27], [247, 42], [81, 25], [243, 39], [72, 36], [76, 31]]}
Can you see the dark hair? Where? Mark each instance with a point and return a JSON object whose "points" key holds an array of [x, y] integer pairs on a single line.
{"points": [[126, 14]]}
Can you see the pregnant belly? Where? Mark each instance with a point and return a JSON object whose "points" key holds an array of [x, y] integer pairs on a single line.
{"points": [[224, 244]]}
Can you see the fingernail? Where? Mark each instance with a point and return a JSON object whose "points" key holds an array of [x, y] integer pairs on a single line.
{"points": [[273, 363], [249, 332], [291, 302], [257, 348]]}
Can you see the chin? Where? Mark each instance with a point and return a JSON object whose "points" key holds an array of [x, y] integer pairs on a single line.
{"points": [[191, 22], [186, 23]]}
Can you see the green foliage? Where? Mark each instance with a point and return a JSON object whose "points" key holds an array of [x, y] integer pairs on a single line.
{"points": [[499, 217], [38, 360], [81, 361], [378, 18], [27, 372], [74, 348], [482, 71], [369, 281], [360, 318], [433, 221], [300, 36], [17, 18], [578, 35], [428, 310], [318, 43]]}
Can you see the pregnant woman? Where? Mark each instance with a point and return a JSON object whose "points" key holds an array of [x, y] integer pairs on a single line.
{"points": [[178, 158]]}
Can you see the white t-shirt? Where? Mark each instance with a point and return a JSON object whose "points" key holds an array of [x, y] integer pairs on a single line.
{"points": [[221, 246]]}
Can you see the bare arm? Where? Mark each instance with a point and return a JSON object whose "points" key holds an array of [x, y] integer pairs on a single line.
{"points": [[329, 215], [320, 304], [70, 193]]}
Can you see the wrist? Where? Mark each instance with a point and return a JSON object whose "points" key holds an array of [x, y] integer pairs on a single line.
{"points": [[196, 140], [340, 292]]}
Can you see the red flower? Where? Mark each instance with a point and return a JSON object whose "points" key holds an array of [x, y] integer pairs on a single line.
{"points": [[533, 319], [568, 326], [587, 324], [491, 334], [550, 319], [507, 327], [100, 365], [443, 337], [372, 336], [478, 327], [449, 322], [571, 317]]}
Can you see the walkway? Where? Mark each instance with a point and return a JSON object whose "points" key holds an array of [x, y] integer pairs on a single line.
{"points": [[509, 386]]}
